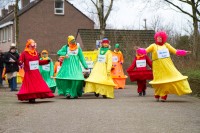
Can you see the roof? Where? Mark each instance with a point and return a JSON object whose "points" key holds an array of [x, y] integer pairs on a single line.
{"points": [[124, 37], [10, 16]]}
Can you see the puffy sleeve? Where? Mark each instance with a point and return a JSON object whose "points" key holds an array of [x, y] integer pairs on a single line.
{"points": [[109, 61], [44, 62], [81, 57], [62, 51], [171, 49], [21, 58], [133, 65], [121, 58], [55, 66], [176, 51], [150, 48], [149, 62], [40, 67], [51, 68]]}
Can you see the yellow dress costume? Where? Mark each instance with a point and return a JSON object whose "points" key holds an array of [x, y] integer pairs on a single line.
{"points": [[100, 80], [167, 79]]}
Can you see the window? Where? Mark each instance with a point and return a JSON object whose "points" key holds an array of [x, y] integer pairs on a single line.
{"points": [[9, 33], [4, 34], [0, 36], [59, 7]]}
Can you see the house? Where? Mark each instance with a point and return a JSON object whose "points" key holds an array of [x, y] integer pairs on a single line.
{"points": [[48, 22]]}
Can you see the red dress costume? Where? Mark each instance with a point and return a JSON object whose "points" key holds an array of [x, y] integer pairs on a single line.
{"points": [[140, 74], [33, 85]]}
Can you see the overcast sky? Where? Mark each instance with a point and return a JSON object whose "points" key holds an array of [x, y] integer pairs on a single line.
{"points": [[131, 14]]}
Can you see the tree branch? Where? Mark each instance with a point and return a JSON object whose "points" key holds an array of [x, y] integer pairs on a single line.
{"points": [[188, 2], [96, 5], [181, 9], [109, 10], [196, 5]]}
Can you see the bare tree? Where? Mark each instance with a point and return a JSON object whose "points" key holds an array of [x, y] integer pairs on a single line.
{"points": [[195, 15], [102, 14], [155, 23]]}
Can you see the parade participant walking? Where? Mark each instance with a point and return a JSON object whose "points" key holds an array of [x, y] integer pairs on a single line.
{"points": [[140, 74], [117, 69], [33, 85], [167, 79], [11, 66], [70, 79], [100, 80], [47, 71], [1, 67]]}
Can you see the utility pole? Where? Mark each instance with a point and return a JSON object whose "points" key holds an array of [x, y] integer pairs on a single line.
{"points": [[145, 24]]}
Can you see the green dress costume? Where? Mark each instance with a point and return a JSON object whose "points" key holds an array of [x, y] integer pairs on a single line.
{"points": [[70, 78], [47, 72]]}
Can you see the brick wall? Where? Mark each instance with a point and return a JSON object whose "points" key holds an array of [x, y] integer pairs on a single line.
{"points": [[50, 31]]}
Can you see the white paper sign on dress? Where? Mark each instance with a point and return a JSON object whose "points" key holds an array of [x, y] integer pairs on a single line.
{"points": [[34, 65], [70, 52], [141, 63], [163, 53], [101, 58], [115, 59], [46, 67]]}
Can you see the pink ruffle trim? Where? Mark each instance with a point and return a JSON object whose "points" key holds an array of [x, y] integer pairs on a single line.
{"points": [[181, 52]]}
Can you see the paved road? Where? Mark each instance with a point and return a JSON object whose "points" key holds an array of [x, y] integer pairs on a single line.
{"points": [[127, 113]]}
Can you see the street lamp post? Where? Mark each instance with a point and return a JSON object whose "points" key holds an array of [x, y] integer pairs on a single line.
{"points": [[145, 24]]}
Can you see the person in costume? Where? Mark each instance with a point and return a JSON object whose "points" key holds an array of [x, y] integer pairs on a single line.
{"points": [[11, 66], [100, 80], [58, 65], [1, 67], [33, 85], [140, 74], [70, 79], [47, 71], [117, 69], [167, 79]]}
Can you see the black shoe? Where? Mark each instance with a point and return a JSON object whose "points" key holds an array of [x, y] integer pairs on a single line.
{"points": [[140, 94], [31, 100], [76, 97], [68, 96], [104, 96], [144, 93], [96, 94]]}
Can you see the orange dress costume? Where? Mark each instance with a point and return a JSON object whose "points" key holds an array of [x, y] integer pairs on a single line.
{"points": [[117, 72], [58, 65]]}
